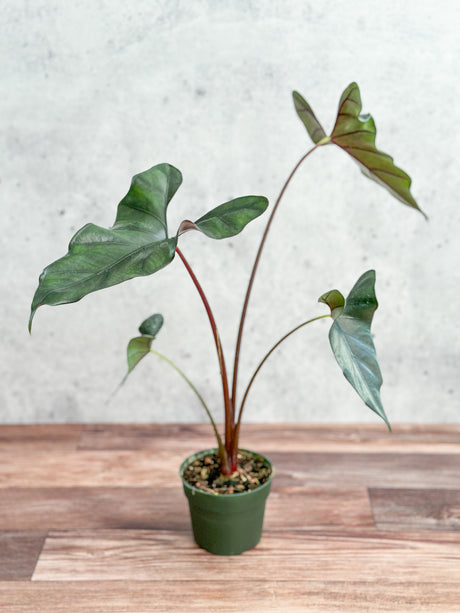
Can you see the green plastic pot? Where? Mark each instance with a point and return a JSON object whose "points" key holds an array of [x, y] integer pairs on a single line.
{"points": [[226, 524]]}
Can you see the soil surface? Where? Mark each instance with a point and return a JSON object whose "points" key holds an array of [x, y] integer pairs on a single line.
{"points": [[205, 474]]}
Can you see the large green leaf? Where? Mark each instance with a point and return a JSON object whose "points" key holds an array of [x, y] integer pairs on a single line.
{"points": [[308, 118], [352, 345], [138, 243], [355, 134]]}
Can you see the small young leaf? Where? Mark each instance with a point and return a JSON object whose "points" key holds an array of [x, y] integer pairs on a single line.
{"points": [[334, 300], [352, 345], [308, 118], [355, 134], [152, 325], [138, 348]]}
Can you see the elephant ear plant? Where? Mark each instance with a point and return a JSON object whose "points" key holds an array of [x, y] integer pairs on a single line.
{"points": [[139, 244]]}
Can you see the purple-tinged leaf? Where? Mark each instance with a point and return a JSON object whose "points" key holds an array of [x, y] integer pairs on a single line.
{"points": [[308, 118], [355, 134]]}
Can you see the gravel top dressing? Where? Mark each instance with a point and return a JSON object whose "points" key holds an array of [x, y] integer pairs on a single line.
{"points": [[204, 473]]}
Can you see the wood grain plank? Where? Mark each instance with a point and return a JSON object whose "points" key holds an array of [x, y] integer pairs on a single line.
{"points": [[20, 439], [154, 437], [75, 508], [260, 596], [160, 469], [318, 507], [416, 509], [119, 536], [19, 553], [371, 438], [321, 556], [367, 469], [90, 469]]}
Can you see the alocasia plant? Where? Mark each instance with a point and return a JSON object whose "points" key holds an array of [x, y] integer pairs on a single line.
{"points": [[139, 244]]}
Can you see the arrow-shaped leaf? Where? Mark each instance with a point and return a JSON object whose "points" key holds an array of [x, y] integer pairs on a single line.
{"points": [[355, 134], [352, 345], [138, 243]]}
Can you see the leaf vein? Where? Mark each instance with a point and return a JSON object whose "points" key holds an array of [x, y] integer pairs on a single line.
{"points": [[101, 272], [146, 212], [404, 178], [334, 136], [349, 99]]}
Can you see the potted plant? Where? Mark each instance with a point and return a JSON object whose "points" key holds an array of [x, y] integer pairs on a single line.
{"points": [[227, 486]]}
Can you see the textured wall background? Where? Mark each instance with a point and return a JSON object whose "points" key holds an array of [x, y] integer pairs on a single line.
{"points": [[96, 91]]}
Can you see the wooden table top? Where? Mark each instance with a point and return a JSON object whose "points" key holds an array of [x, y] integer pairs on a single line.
{"points": [[93, 519]]}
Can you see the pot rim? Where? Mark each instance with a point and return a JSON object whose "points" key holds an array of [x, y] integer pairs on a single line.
{"points": [[194, 489]]}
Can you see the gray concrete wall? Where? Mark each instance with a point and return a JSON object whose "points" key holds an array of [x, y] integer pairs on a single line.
{"points": [[96, 91]]}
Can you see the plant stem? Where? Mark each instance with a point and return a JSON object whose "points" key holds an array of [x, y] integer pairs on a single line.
{"points": [[267, 355], [253, 274], [229, 417], [200, 397]]}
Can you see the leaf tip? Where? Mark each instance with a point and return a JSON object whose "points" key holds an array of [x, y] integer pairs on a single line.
{"points": [[353, 86], [383, 415], [32, 313]]}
